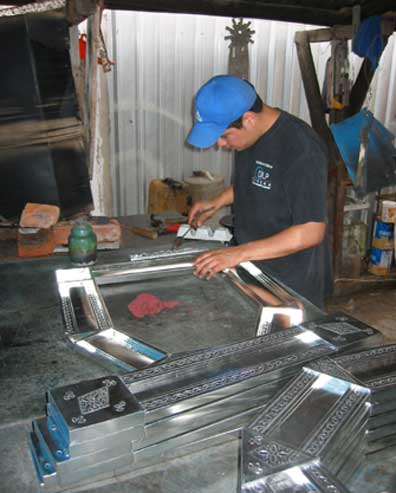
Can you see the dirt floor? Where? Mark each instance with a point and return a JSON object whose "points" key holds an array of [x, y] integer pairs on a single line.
{"points": [[375, 307]]}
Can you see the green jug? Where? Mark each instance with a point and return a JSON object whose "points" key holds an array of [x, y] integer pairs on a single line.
{"points": [[82, 243]]}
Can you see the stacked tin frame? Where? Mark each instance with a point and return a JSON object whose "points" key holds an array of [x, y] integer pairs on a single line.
{"points": [[375, 369], [316, 420], [95, 429]]}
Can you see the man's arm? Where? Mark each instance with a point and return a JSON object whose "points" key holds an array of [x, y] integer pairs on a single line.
{"points": [[222, 200], [290, 240]]}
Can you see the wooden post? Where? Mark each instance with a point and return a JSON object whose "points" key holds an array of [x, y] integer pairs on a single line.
{"points": [[91, 84], [336, 192], [311, 86]]}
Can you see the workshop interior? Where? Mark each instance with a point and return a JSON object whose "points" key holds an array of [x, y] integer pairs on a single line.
{"points": [[122, 368]]}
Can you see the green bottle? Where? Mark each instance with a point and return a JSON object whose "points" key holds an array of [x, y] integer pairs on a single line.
{"points": [[82, 243]]}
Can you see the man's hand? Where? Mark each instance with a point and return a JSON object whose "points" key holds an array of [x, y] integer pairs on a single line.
{"points": [[210, 263], [225, 198], [196, 217]]}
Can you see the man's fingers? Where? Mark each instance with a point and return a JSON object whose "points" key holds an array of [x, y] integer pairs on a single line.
{"points": [[206, 267]]}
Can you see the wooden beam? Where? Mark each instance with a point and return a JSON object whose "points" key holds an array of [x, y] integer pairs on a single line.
{"points": [[311, 86], [330, 33], [336, 192], [91, 85], [79, 10], [288, 12], [360, 88]]}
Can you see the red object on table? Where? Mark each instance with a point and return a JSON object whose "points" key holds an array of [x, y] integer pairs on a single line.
{"points": [[148, 304], [171, 228]]}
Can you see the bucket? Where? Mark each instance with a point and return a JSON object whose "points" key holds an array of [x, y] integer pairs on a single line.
{"points": [[387, 211], [204, 185]]}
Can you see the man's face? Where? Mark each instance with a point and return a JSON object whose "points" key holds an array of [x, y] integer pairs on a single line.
{"points": [[237, 139]]}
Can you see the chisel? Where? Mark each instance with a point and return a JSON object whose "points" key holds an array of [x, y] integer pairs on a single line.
{"points": [[179, 240]]}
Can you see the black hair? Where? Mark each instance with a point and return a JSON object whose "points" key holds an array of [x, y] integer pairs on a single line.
{"points": [[256, 108]]}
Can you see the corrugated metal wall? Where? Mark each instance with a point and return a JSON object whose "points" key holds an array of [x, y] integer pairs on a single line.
{"points": [[161, 61]]}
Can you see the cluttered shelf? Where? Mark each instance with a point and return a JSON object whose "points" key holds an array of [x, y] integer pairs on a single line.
{"points": [[368, 249]]}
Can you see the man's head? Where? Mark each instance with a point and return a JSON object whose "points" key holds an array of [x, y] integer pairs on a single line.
{"points": [[225, 109]]}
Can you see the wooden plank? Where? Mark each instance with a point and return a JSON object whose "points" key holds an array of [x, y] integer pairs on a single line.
{"points": [[329, 34]]}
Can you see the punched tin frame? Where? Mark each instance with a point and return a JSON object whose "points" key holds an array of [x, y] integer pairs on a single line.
{"points": [[89, 326]]}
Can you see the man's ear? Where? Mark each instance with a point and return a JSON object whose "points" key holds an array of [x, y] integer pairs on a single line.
{"points": [[249, 119]]}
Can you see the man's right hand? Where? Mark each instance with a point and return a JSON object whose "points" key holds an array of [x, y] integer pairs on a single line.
{"points": [[200, 212]]}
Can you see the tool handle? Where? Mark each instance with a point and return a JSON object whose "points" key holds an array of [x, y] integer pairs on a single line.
{"points": [[145, 232]]}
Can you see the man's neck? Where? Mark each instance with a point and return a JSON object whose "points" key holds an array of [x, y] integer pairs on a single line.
{"points": [[267, 118]]}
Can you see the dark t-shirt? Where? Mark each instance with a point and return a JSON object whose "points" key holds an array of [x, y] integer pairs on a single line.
{"points": [[279, 182]]}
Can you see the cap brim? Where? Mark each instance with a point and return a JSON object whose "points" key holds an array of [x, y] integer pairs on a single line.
{"points": [[205, 134]]}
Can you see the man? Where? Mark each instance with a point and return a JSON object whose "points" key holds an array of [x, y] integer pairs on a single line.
{"points": [[279, 189]]}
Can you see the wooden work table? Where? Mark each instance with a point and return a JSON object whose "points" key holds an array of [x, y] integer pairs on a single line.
{"points": [[35, 357]]}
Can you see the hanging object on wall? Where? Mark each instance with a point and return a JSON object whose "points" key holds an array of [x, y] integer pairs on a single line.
{"points": [[336, 85], [240, 36], [367, 150], [103, 58]]}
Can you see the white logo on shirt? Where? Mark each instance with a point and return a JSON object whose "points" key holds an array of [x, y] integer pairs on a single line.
{"points": [[262, 175]]}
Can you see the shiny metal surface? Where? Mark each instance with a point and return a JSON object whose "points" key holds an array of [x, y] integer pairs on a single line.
{"points": [[97, 427], [87, 294], [308, 478], [315, 417], [91, 329], [345, 331], [171, 404], [88, 409], [375, 369]]}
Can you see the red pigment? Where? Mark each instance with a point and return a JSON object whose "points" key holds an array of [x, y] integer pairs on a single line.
{"points": [[147, 304]]}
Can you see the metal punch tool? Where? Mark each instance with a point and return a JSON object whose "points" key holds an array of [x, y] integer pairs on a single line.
{"points": [[179, 240]]}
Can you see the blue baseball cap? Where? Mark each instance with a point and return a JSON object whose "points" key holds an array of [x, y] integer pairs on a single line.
{"points": [[219, 102]]}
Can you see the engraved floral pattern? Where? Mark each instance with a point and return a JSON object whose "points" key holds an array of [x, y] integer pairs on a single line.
{"points": [[340, 328], [120, 406], [322, 480], [78, 420], [216, 383], [94, 401], [273, 455], [340, 414], [282, 402], [109, 382], [69, 395], [264, 341]]}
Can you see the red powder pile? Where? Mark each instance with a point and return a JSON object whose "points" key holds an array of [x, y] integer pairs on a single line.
{"points": [[147, 304]]}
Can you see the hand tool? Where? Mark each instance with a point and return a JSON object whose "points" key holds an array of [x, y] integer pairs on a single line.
{"points": [[150, 233], [157, 229], [179, 240]]}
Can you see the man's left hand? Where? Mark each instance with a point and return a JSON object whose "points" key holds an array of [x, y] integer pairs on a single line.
{"points": [[210, 263]]}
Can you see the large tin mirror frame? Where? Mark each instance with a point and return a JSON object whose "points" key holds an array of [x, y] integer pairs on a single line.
{"points": [[237, 304]]}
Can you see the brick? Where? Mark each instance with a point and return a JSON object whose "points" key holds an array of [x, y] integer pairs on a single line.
{"points": [[35, 244], [39, 216], [110, 232]]}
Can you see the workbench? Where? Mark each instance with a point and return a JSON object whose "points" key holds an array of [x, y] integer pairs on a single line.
{"points": [[34, 357]]}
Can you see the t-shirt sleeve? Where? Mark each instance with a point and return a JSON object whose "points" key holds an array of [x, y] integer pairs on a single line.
{"points": [[305, 186]]}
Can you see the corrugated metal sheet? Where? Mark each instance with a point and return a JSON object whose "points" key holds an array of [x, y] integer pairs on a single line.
{"points": [[162, 59]]}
